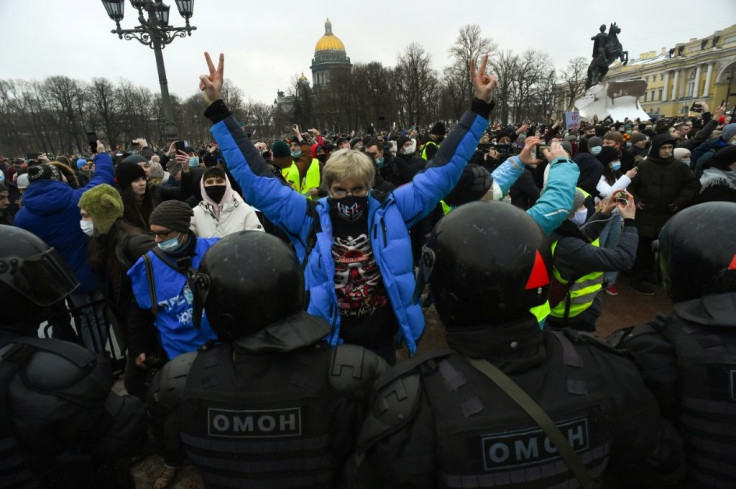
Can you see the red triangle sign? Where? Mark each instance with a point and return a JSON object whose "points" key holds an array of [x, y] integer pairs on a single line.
{"points": [[539, 276], [732, 266]]}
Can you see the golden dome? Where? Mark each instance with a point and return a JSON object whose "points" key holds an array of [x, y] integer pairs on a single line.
{"points": [[329, 42], [303, 78]]}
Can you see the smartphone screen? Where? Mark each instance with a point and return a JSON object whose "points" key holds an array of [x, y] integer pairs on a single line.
{"points": [[179, 145]]}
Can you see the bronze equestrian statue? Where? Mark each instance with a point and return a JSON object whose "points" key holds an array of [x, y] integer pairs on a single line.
{"points": [[606, 48]]}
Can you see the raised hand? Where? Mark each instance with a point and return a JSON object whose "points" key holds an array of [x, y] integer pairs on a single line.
{"points": [[526, 153], [483, 83], [211, 85]]}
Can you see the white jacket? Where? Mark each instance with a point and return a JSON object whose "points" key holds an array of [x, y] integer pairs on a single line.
{"points": [[235, 216]]}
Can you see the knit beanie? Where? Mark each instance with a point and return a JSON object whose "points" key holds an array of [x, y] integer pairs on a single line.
{"points": [[22, 181], [80, 163], [577, 202], [607, 155], [567, 147], [127, 172], [156, 170], [280, 149], [728, 132], [594, 141], [473, 184], [438, 128], [680, 153], [43, 172], [104, 204], [172, 214]]}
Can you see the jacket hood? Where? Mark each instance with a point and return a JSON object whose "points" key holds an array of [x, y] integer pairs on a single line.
{"points": [[49, 197], [658, 141], [295, 332], [217, 207], [711, 310]]}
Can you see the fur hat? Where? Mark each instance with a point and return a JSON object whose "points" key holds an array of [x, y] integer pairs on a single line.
{"points": [[43, 172], [172, 214], [127, 172], [68, 174], [104, 204]]}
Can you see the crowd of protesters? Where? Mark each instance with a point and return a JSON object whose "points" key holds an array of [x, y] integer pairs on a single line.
{"points": [[135, 225]]}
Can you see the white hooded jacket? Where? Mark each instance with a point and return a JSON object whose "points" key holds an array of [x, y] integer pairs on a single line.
{"points": [[217, 220]]}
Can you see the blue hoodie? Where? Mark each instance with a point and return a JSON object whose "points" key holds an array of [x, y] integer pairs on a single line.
{"points": [[50, 211]]}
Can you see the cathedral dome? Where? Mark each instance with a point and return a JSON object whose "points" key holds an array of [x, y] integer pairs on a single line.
{"points": [[329, 42]]}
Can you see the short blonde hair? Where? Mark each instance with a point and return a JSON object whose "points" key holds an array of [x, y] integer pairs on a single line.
{"points": [[348, 163]]}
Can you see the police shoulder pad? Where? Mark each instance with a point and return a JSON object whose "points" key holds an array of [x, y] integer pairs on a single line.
{"points": [[354, 368], [59, 365]]}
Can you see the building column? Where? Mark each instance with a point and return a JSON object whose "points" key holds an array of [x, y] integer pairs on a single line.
{"points": [[674, 85], [666, 83], [708, 74], [696, 90]]}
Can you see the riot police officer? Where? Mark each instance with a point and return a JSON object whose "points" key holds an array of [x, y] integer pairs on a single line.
{"points": [[273, 403], [688, 360], [447, 418], [60, 424]]}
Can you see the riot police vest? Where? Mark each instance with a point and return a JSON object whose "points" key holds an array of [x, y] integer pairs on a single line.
{"points": [[706, 359], [486, 440], [260, 418]]}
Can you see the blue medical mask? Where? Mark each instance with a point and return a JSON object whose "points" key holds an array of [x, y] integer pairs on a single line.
{"points": [[170, 244], [579, 217], [2, 177], [596, 150], [615, 165], [296, 154], [380, 162], [193, 161], [687, 162]]}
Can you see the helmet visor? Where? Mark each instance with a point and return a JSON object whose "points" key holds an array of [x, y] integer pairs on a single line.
{"points": [[44, 279]]}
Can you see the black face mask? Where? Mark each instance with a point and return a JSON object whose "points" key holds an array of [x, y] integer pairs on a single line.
{"points": [[215, 192], [350, 207]]}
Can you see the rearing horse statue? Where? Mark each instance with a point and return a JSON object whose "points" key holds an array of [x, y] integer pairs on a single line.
{"points": [[612, 49]]}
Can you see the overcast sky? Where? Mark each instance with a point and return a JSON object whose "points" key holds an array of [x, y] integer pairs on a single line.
{"points": [[267, 43]]}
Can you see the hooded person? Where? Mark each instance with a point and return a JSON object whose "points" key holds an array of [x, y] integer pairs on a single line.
{"points": [[661, 187], [50, 211], [591, 168], [221, 211]]}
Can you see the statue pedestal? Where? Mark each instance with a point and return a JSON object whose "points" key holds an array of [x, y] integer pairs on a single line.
{"points": [[617, 99]]}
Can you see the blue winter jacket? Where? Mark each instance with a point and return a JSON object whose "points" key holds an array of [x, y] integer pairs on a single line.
{"points": [[50, 211], [388, 222], [177, 333]]}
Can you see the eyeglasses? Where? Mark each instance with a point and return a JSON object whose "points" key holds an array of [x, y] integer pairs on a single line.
{"points": [[340, 192]]}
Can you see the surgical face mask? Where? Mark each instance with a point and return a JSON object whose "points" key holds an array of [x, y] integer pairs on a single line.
{"points": [[358, 147], [687, 162], [350, 207], [411, 149], [615, 165], [628, 144], [88, 227], [596, 150], [170, 244], [2, 177], [380, 162], [296, 154], [579, 217], [193, 161]]}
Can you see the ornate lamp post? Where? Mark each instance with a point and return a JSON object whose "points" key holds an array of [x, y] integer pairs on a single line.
{"points": [[154, 32]]}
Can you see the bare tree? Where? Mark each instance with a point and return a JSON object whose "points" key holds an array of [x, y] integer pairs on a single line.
{"points": [[469, 45], [104, 107], [505, 65], [416, 85], [574, 77]]}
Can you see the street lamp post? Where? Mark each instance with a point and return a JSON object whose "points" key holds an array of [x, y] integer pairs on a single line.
{"points": [[154, 32]]}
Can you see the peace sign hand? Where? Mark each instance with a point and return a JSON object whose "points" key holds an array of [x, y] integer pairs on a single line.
{"points": [[483, 83], [211, 85]]}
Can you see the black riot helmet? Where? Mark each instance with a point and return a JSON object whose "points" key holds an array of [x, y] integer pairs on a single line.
{"points": [[32, 277], [697, 251], [246, 281], [487, 264]]}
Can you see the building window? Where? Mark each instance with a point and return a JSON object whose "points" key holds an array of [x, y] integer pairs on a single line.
{"points": [[646, 78], [652, 95], [645, 96], [660, 94], [691, 84]]}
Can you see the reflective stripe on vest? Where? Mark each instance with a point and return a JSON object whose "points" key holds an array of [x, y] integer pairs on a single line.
{"points": [[291, 175], [426, 145], [581, 294], [541, 312], [445, 208]]}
